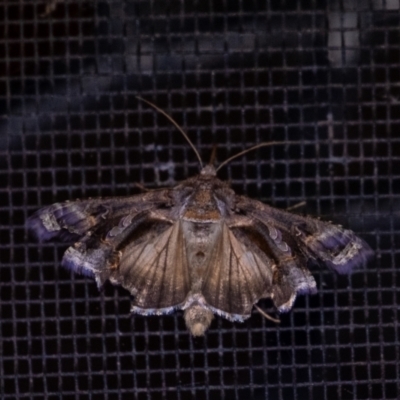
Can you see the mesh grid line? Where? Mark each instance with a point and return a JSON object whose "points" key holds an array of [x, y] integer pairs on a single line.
{"points": [[323, 74]]}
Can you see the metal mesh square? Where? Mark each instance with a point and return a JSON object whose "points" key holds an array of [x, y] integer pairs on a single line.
{"points": [[324, 74]]}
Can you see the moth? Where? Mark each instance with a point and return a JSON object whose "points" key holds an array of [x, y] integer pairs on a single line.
{"points": [[198, 247]]}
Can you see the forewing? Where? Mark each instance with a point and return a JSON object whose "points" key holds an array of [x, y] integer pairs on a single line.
{"points": [[339, 249], [236, 277], [71, 220]]}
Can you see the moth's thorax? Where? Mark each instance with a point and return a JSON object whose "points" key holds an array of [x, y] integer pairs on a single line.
{"points": [[204, 198], [202, 207]]}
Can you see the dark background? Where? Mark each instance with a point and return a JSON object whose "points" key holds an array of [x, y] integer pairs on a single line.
{"points": [[324, 74]]}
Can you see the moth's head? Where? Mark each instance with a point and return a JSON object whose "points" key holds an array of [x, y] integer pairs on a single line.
{"points": [[208, 170]]}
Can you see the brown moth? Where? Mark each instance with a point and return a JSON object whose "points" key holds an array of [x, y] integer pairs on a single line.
{"points": [[198, 247]]}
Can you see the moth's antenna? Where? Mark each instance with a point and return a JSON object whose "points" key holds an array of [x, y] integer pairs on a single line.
{"points": [[170, 119], [265, 144]]}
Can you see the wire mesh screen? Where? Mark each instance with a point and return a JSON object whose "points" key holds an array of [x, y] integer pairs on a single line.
{"points": [[323, 75]]}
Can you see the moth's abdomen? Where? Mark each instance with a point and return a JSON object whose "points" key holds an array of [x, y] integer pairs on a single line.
{"points": [[198, 319]]}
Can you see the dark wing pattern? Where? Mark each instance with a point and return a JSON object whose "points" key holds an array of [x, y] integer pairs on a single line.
{"points": [[340, 249], [236, 277], [70, 220], [98, 252]]}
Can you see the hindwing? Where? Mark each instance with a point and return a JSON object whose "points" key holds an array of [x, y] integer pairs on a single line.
{"points": [[236, 276]]}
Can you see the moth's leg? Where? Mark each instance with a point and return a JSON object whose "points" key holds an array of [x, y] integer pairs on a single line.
{"points": [[296, 206], [266, 315], [146, 189], [161, 216], [142, 187], [50, 8]]}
